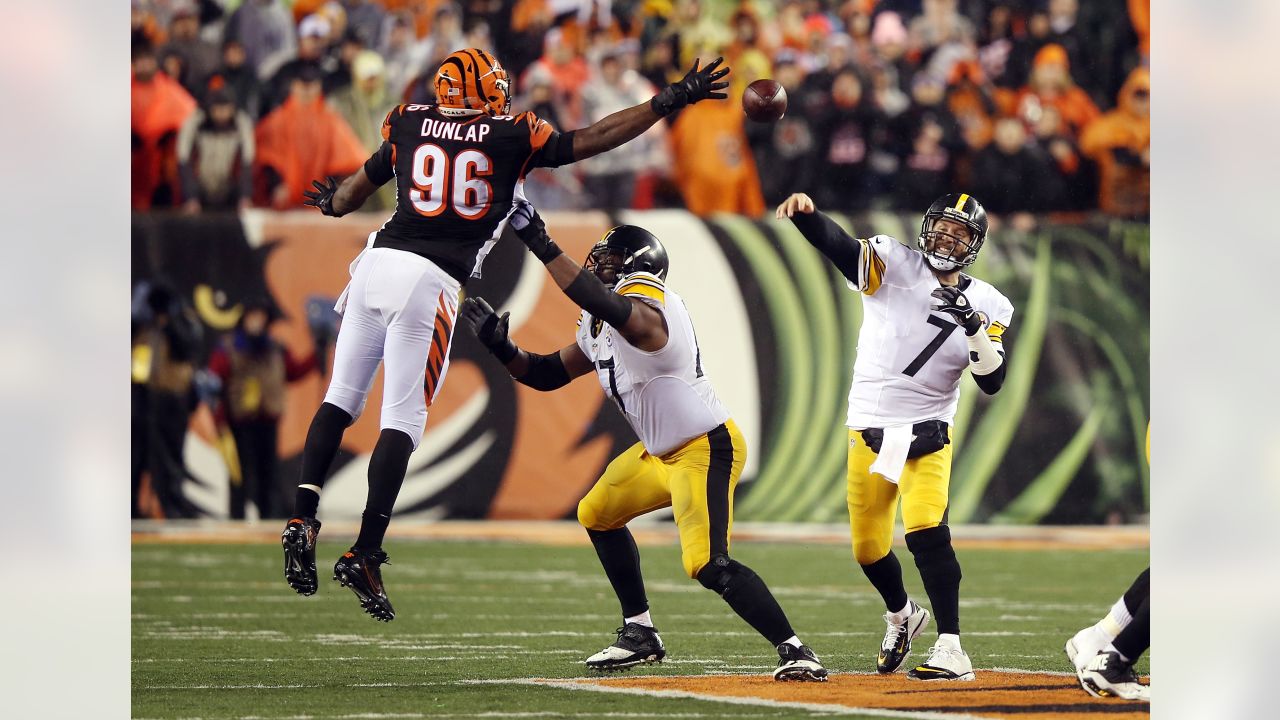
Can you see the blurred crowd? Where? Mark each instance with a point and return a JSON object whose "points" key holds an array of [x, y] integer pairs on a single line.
{"points": [[1032, 105]]}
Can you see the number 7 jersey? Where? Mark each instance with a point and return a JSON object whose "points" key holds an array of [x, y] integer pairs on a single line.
{"points": [[456, 177], [910, 358]]}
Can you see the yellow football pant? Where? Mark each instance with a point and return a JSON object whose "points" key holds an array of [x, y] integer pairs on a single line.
{"points": [[696, 480], [873, 501]]}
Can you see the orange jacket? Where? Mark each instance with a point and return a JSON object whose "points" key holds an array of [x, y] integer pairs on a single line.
{"points": [[1117, 142], [159, 107], [714, 167], [305, 143]]}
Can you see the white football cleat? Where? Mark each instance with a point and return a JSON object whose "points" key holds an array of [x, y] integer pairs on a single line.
{"points": [[945, 662], [1084, 645]]}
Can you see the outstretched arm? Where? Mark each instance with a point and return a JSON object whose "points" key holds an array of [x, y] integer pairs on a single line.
{"points": [[821, 231], [625, 125], [337, 199], [642, 325], [540, 372]]}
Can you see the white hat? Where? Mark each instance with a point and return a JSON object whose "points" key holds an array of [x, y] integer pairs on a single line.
{"points": [[314, 25]]}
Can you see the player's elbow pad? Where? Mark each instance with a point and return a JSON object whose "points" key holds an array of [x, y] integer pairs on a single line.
{"points": [[992, 381], [545, 373], [588, 293]]}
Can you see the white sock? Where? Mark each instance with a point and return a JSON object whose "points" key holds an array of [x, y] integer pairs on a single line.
{"points": [[1112, 648], [1116, 620], [641, 619], [902, 615], [949, 640], [793, 641]]}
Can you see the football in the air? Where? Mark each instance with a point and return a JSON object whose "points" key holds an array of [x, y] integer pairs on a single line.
{"points": [[764, 100]]}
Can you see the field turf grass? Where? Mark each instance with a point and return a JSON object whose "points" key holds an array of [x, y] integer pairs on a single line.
{"points": [[218, 634]]}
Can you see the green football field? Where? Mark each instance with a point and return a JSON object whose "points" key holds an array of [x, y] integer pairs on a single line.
{"points": [[217, 633]]}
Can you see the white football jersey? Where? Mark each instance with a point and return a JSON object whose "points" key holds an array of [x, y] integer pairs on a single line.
{"points": [[663, 394], [910, 358]]}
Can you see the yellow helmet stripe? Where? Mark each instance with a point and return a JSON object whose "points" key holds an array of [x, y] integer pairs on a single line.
{"points": [[964, 198]]}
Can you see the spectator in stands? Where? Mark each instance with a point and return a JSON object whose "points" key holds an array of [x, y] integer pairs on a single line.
{"points": [[939, 24], [339, 78], [364, 20], [1053, 141], [846, 132], [240, 79], [364, 104], [610, 178], [165, 334], [265, 30], [568, 73], [889, 43], [926, 170], [1120, 143], [215, 155], [747, 54], [159, 106], [789, 147], [254, 369], [313, 52], [445, 36], [304, 140], [404, 55], [971, 100], [714, 168], [1051, 84], [199, 56], [145, 30], [1012, 176]]}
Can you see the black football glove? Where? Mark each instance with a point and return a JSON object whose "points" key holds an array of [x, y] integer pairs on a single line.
{"points": [[490, 329], [323, 197], [697, 84], [532, 231], [950, 300]]}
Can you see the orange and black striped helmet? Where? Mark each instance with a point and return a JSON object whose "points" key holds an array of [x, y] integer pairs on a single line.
{"points": [[472, 79]]}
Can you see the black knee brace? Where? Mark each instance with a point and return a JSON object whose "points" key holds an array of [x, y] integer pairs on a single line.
{"points": [[940, 573], [723, 574]]}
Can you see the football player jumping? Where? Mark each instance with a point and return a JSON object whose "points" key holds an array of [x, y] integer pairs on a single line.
{"points": [[906, 383], [458, 165], [636, 335]]}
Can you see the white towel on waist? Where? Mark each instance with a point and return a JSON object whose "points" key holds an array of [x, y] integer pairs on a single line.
{"points": [[893, 453], [341, 305]]}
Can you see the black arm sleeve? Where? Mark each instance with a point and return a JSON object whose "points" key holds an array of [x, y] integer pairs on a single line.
{"points": [[824, 234], [992, 381], [379, 168], [556, 151], [588, 293], [545, 373]]}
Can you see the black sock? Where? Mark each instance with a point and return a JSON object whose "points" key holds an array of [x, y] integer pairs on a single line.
{"points": [[1135, 638], [1138, 592], [940, 573], [323, 439], [621, 560], [749, 597], [885, 575], [387, 466]]}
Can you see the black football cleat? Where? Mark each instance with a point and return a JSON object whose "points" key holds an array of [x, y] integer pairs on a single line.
{"points": [[361, 571], [798, 664], [1107, 676], [636, 644], [299, 542]]}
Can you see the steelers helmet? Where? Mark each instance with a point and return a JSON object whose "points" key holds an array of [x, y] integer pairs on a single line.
{"points": [[639, 249], [473, 80], [962, 208]]}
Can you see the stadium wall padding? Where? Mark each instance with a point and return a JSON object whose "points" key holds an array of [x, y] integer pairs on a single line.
{"points": [[1061, 443]]}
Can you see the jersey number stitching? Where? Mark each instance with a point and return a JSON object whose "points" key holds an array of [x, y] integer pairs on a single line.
{"points": [[613, 382], [471, 193], [944, 331]]}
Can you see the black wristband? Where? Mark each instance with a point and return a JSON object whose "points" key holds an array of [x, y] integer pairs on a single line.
{"points": [[972, 325], [546, 372], [504, 351]]}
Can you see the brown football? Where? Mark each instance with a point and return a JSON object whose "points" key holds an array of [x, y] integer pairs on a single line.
{"points": [[764, 100]]}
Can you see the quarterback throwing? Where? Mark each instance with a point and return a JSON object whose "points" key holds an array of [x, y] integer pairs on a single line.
{"points": [[924, 322]]}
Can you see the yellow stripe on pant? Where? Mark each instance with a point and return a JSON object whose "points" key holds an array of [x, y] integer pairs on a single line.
{"points": [[873, 501], [696, 480]]}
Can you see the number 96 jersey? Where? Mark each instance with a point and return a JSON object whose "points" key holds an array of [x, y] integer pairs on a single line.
{"points": [[664, 394], [455, 178], [910, 358]]}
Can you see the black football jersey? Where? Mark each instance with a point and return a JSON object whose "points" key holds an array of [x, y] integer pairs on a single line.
{"points": [[455, 178]]}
